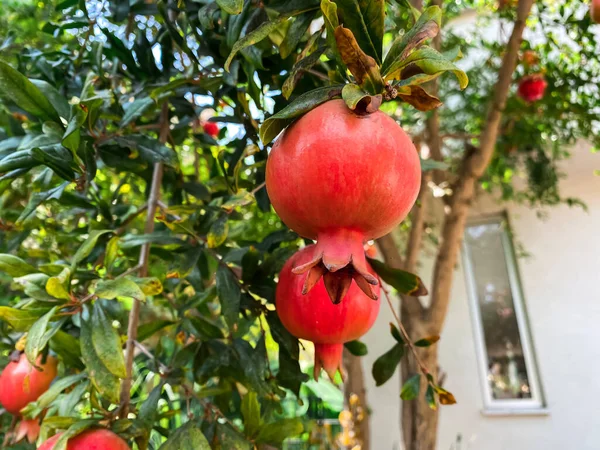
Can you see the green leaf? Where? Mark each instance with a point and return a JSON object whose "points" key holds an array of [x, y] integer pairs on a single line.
{"points": [[404, 282], [188, 437], [57, 286], [242, 198], [148, 412], [255, 36], [250, 409], [362, 66], [431, 164], [330, 16], [231, 6], [112, 250], [88, 245], [428, 341], [297, 108], [298, 71], [121, 287], [149, 285], [20, 319], [74, 430], [135, 109], [14, 266], [396, 333], [103, 380], [385, 366], [357, 99], [52, 393], [228, 290], [68, 348], [295, 33], [410, 389], [427, 26], [37, 337], [430, 397], [25, 94], [72, 134], [275, 433], [148, 329], [365, 19], [357, 348], [218, 232], [37, 198], [107, 342], [58, 101], [149, 149]]}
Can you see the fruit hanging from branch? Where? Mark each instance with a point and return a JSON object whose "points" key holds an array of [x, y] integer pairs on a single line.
{"points": [[21, 383], [315, 318], [532, 88], [211, 128], [27, 429], [342, 178], [89, 440]]}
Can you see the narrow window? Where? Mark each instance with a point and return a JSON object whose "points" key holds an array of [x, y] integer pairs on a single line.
{"points": [[505, 351]]}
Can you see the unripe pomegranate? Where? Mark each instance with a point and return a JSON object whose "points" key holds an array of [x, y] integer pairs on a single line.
{"points": [[21, 383], [532, 88], [211, 128], [90, 440], [343, 179], [29, 429], [595, 10], [315, 318]]}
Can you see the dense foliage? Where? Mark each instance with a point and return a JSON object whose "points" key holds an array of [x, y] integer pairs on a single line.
{"points": [[95, 94]]}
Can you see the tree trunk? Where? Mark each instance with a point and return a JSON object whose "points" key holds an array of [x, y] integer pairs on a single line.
{"points": [[355, 384], [419, 422]]}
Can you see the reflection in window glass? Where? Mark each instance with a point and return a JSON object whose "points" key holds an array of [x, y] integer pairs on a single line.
{"points": [[509, 371]]}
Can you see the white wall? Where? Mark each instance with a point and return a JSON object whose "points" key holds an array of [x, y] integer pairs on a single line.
{"points": [[562, 295]]}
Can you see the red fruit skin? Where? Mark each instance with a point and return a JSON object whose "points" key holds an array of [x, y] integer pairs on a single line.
{"points": [[211, 128], [90, 440], [335, 169], [532, 88], [29, 429], [21, 383], [314, 317], [595, 11]]}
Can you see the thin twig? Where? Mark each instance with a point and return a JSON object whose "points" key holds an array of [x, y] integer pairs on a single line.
{"points": [[147, 352], [130, 218], [405, 335], [258, 188]]}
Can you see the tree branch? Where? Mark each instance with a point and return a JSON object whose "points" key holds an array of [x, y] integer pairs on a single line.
{"points": [[134, 314], [472, 168]]}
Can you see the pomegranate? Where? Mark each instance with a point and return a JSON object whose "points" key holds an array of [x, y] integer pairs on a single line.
{"points": [[343, 179], [211, 128], [314, 317], [595, 10], [21, 383], [532, 88], [371, 250], [29, 429], [90, 440]]}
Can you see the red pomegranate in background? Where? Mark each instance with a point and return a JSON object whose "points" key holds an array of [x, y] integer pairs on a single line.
{"points": [[21, 383], [29, 429], [314, 317], [532, 88], [90, 440], [211, 128], [343, 179], [595, 10]]}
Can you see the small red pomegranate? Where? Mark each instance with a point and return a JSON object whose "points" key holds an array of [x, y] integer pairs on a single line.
{"points": [[21, 383], [29, 429], [532, 88], [90, 440], [343, 179], [211, 128], [595, 10], [315, 318]]}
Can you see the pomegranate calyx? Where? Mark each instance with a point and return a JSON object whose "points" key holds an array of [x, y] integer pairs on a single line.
{"points": [[329, 358]]}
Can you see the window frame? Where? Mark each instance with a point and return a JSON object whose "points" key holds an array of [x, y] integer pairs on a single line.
{"points": [[536, 403]]}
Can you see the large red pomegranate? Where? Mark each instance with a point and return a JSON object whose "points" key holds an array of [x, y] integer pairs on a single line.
{"points": [[595, 10], [21, 383], [532, 88], [211, 128], [315, 318], [342, 178], [90, 440]]}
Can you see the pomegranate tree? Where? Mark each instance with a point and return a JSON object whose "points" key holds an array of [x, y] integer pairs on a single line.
{"points": [[342, 178], [315, 318], [90, 440], [21, 383], [532, 88]]}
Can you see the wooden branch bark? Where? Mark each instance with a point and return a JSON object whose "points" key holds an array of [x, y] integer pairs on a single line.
{"points": [[472, 168], [134, 314], [355, 384]]}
